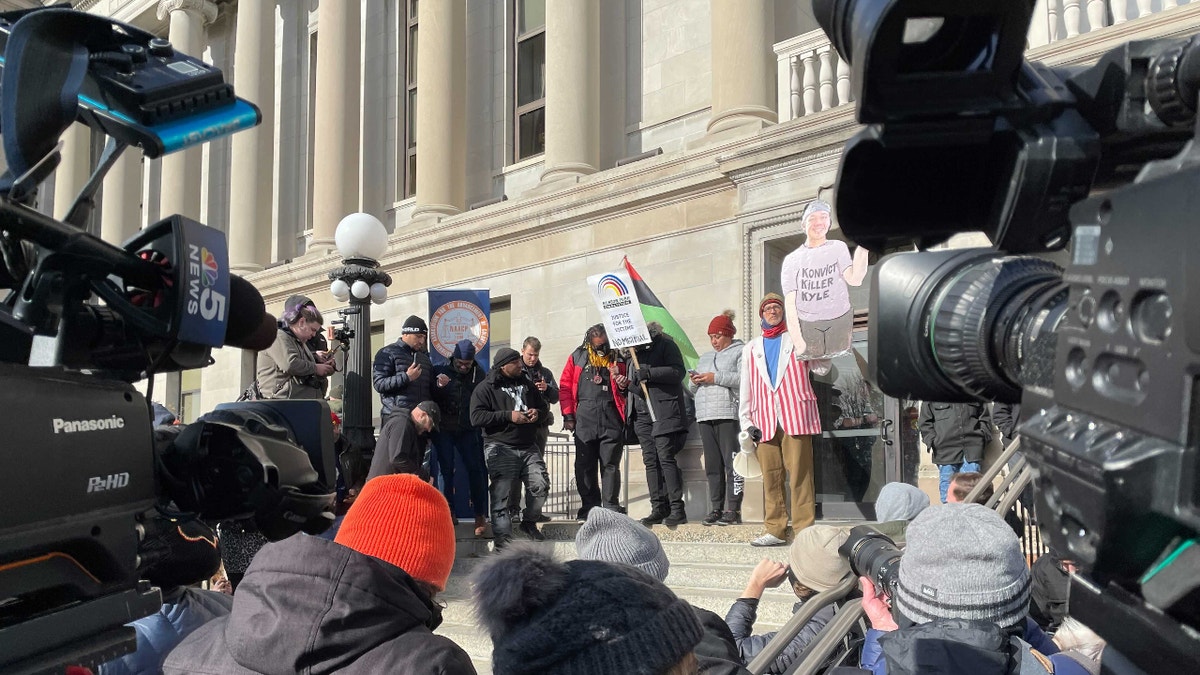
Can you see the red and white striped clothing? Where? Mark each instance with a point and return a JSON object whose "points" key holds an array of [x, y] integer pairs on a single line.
{"points": [[791, 404]]}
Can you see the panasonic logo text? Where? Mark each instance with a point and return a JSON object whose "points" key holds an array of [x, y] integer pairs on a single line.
{"points": [[62, 426], [109, 482]]}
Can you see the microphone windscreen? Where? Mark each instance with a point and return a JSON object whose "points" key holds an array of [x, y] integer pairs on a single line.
{"points": [[247, 317]]}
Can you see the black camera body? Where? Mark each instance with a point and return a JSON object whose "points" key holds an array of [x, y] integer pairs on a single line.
{"points": [[1103, 351], [80, 319]]}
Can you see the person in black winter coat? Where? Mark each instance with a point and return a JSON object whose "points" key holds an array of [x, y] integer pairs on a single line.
{"points": [[365, 604], [454, 382], [508, 408], [403, 445], [660, 367], [402, 371], [956, 434]]}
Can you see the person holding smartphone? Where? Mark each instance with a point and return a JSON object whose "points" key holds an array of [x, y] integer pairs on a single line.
{"points": [[714, 385]]}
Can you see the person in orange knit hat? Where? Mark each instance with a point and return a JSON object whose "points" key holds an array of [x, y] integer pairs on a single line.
{"points": [[363, 603]]}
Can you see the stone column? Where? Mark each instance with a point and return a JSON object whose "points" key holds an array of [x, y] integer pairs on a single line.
{"points": [[74, 169], [742, 62], [572, 88], [181, 170], [121, 198], [441, 108], [335, 151], [253, 150]]}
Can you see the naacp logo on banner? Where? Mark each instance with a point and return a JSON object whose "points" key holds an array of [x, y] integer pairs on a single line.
{"points": [[455, 321]]}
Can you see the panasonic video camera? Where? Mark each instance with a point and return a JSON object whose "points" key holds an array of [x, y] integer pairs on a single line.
{"points": [[81, 319], [1099, 163]]}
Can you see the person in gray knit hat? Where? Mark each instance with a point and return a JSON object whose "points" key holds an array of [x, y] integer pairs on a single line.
{"points": [[961, 601], [614, 537], [581, 617]]}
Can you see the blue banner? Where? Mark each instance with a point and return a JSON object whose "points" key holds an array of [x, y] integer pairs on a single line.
{"points": [[456, 315]]}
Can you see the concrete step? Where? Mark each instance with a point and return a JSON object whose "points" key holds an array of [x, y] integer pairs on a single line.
{"points": [[474, 641]]}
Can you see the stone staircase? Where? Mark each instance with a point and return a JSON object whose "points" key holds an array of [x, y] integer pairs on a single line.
{"points": [[709, 569]]}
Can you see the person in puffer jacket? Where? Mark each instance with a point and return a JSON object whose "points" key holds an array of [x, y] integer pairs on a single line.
{"points": [[715, 384], [815, 566], [363, 603]]}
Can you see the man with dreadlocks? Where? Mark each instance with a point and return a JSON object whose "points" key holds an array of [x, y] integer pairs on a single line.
{"points": [[592, 395]]}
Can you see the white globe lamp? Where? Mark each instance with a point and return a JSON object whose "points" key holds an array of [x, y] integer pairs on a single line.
{"points": [[340, 290], [361, 236], [378, 293], [360, 289]]}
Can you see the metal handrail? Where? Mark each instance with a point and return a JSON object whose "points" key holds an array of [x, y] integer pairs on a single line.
{"points": [[819, 650], [759, 664], [994, 470], [1015, 487], [1014, 471]]}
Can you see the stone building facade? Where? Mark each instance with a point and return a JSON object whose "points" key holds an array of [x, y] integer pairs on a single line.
{"points": [[488, 137]]}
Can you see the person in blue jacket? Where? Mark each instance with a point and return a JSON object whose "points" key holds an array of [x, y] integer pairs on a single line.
{"points": [[961, 603]]}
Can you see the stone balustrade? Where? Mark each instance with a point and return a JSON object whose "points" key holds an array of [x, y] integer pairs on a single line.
{"points": [[812, 78]]}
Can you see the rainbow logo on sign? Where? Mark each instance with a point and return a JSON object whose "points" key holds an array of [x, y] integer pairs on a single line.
{"points": [[208, 262], [611, 285]]}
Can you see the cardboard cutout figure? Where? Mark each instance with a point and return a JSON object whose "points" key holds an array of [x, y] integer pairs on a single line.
{"points": [[816, 281]]}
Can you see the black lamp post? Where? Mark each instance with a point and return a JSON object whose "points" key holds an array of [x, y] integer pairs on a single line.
{"points": [[361, 239]]}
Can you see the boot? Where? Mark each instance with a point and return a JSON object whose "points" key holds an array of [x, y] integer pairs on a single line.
{"points": [[678, 517], [656, 517]]}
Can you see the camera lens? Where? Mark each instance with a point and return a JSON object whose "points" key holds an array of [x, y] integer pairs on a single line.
{"points": [[978, 325], [872, 554]]}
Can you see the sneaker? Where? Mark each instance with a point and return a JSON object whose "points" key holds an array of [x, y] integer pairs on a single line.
{"points": [[480, 526], [500, 543], [730, 518], [532, 530], [768, 540], [544, 518], [712, 518], [676, 519]]}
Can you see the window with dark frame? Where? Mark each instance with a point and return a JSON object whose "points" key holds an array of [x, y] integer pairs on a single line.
{"points": [[529, 82], [409, 167]]}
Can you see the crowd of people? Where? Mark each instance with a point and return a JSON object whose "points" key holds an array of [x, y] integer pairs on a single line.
{"points": [[364, 597]]}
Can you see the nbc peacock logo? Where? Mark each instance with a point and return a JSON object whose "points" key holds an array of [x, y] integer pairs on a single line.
{"points": [[212, 270], [611, 286]]}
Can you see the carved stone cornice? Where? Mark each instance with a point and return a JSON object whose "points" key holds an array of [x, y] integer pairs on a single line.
{"points": [[205, 9]]}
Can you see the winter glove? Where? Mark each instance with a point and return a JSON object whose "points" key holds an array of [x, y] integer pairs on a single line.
{"points": [[569, 423], [640, 375]]}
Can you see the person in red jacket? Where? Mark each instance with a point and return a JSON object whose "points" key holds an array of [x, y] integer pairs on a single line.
{"points": [[592, 395]]}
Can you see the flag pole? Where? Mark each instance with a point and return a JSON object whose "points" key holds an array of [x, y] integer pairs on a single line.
{"points": [[645, 392]]}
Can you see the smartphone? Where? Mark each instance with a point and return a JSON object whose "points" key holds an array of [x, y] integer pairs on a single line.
{"points": [[693, 373]]}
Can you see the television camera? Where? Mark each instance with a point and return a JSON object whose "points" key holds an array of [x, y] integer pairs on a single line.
{"points": [[82, 319], [964, 135]]}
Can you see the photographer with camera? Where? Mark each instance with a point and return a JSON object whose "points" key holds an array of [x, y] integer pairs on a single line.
{"points": [[814, 566], [289, 369], [961, 602]]}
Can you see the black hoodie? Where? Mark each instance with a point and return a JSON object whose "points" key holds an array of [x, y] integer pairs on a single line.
{"points": [[308, 605], [494, 401]]}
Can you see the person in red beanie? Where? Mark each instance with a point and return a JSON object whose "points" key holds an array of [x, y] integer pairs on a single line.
{"points": [[714, 385], [363, 603]]}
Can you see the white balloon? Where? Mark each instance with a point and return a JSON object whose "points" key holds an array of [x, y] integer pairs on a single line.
{"points": [[360, 289], [361, 235], [340, 290], [378, 293]]}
